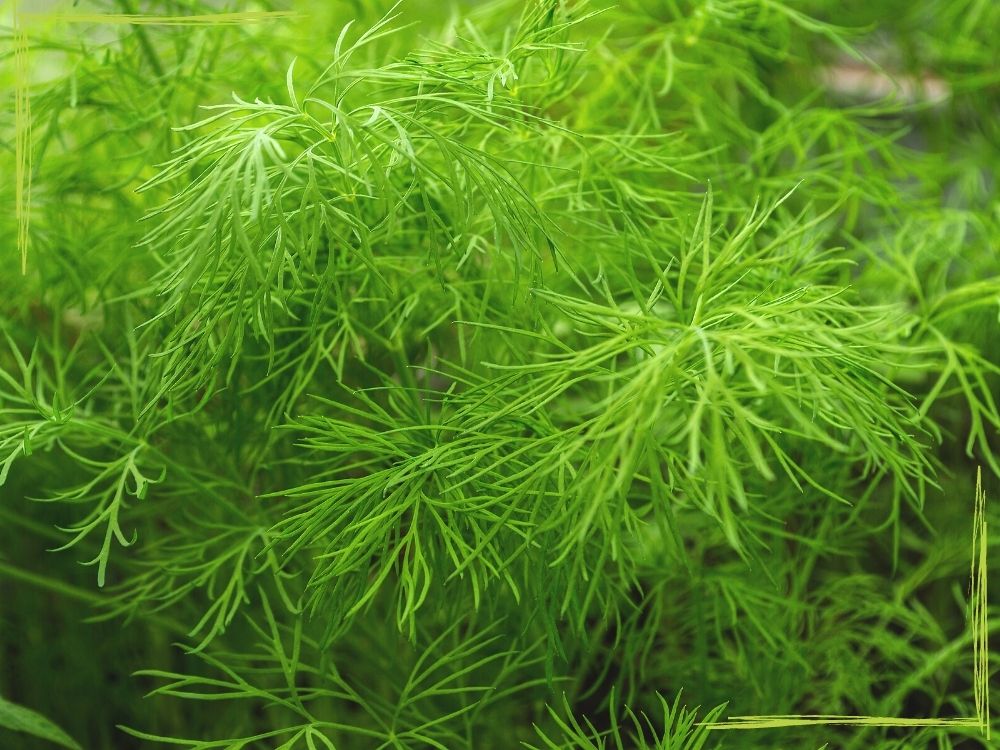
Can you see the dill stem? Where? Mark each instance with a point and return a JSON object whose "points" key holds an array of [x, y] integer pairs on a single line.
{"points": [[56, 586], [75, 592], [147, 48]]}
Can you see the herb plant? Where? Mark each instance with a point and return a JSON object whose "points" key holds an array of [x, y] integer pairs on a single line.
{"points": [[523, 373]]}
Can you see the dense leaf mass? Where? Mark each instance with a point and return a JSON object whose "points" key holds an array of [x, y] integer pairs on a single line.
{"points": [[523, 373]]}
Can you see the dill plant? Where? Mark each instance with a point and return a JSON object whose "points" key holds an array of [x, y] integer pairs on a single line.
{"points": [[545, 374]]}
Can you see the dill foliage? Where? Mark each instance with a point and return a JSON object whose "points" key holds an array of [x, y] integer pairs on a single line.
{"points": [[547, 373]]}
